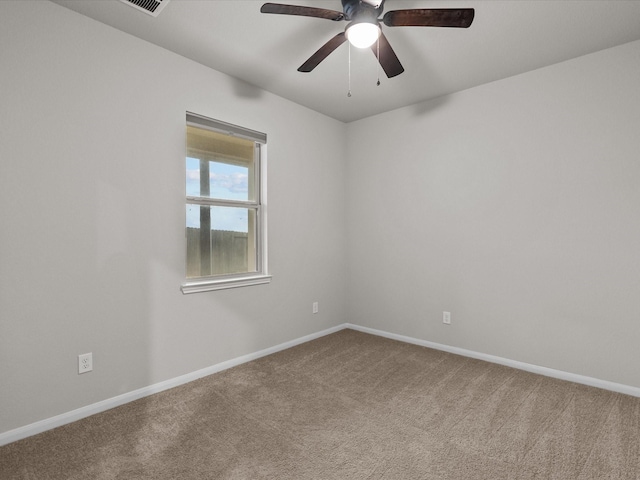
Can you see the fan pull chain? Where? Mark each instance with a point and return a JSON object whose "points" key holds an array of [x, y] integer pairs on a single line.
{"points": [[349, 92], [378, 84]]}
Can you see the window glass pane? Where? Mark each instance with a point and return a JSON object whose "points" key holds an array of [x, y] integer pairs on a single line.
{"points": [[220, 166], [226, 181], [193, 177], [220, 240]]}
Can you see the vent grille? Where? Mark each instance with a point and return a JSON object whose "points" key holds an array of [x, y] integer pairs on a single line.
{"points": [[150, 7]]}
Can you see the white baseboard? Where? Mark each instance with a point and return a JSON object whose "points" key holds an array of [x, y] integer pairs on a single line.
{"points": [[548, 372], [74, 415]]}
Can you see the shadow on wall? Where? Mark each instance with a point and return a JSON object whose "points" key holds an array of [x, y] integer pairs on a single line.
{"points": [[122, 321], [246, 90], [424, 108]]}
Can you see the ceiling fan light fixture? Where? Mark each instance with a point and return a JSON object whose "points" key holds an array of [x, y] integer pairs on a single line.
{"points": [[362, 34]]}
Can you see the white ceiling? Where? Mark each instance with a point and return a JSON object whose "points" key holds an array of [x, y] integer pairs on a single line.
{"points": [[507, 37]]}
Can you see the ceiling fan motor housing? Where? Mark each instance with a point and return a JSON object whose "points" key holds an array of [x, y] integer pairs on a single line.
{"points": [[362, 10]]}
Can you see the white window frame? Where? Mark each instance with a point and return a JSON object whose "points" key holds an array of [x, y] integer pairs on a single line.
{"points": [[261, 275]]}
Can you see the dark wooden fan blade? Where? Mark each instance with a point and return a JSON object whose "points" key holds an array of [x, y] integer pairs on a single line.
{"points": [[387, 58], [302, 11], [430, 17], [323, 52]]}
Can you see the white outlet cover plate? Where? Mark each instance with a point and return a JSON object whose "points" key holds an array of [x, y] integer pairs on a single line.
{"points": [[85, 363]]}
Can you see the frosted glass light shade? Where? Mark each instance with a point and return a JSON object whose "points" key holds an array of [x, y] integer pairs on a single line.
{"points": [[362, 35]]}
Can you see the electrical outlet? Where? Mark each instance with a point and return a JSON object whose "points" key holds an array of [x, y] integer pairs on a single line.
{"points": [[314, 307], [446, 318], [85, 363]]}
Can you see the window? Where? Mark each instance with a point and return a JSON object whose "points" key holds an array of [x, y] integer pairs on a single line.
{"points": [[225, 206]]}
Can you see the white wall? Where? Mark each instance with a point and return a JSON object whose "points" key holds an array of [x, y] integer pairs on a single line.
{"points": [[516, 207], [92, 211]]}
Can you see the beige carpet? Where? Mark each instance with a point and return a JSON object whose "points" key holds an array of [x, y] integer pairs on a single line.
{"points": [[349, 406]]}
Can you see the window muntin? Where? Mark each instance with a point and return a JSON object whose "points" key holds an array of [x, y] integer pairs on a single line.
{"points": [[225, 218]]}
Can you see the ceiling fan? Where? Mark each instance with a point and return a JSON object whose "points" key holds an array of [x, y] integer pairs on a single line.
{"points": [[364, 30]]}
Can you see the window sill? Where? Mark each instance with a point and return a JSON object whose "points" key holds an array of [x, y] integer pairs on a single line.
{"points": [[208, 285]]}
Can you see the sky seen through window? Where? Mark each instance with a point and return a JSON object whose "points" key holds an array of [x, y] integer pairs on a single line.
{"points": [[226, 181]]}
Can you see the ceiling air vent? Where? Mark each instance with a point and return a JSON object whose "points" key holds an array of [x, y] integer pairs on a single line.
{"points": [[150, 7]]}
